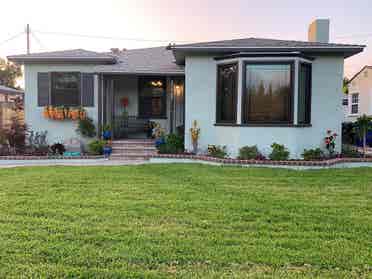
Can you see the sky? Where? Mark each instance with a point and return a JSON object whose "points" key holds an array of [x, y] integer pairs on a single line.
{"points": [[145, 23]]}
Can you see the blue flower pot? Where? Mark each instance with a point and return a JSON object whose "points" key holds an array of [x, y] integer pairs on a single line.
{"points": [[159, 142], [107, 150], [107, 135]]}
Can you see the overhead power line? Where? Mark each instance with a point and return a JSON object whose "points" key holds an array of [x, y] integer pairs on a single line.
{"points": [[12, 38], [106, 37], [354, 36]]}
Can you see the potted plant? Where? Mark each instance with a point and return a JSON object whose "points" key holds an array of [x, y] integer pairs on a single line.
{"points": [[107, 149], [107, 132]]}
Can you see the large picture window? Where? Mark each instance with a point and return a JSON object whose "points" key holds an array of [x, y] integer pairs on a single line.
{"points": [[268, 93], [65, 89], [304, 94], [227, 76], [152, 97]]}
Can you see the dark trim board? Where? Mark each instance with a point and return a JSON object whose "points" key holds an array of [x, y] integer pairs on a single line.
{"points": [[293, 54]]}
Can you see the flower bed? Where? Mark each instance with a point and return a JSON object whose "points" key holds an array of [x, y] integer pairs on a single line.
{"points": [[206, 158], [46, 157]]}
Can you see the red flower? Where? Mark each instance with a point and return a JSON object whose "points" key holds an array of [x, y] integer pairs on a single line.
{"points": [[125, 102], [329, 131]]}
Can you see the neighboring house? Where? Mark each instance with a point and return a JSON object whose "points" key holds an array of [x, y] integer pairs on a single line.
{"points": [[8, 97], [359, 98], [241, 92]]}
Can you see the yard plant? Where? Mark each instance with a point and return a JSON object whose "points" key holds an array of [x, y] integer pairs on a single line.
{"points": [[185, 221]]}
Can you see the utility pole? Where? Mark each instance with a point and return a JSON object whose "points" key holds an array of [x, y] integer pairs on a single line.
{"points": [[28, 38]]}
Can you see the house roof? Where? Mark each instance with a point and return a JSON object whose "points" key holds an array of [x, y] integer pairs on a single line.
{"points": [[10, 91], [358, 73], [259, 44], [156, 60], [73, 56]]}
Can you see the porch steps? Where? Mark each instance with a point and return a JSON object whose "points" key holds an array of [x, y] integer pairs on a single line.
{"points": [[132, 149]]}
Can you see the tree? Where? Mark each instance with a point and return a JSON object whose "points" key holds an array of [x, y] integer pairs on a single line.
{"points": [[363, 128], [345, 87], [9, 72]]}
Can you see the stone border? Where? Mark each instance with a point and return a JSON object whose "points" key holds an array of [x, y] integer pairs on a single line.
{"points": [[31, 157], [299, 163]]}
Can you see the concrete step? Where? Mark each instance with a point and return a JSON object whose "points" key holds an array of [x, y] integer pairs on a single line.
{"points": [[133, 147], [130, 141]]}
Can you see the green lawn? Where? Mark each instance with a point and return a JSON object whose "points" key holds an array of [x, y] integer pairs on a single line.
{"points": [[185, 221]]}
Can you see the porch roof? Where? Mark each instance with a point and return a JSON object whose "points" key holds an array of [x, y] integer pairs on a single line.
{"points": [[151, 61]]}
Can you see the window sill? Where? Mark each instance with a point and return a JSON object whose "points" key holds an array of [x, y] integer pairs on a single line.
{"points": [[263, 125]]}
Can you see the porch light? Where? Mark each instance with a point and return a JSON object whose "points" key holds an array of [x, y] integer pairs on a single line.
{"points": [[157, 83]]}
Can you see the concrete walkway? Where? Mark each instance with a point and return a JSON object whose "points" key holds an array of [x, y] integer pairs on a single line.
{"points": [[62, 162]]}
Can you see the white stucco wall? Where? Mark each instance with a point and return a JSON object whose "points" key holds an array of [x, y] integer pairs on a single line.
{"points": [[362, 84], [327, 113], [58, 131]]}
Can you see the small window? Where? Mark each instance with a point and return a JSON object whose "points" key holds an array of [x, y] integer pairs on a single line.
{"points": [[152, 97], [345, 102], [304, 94], [268, 93], [226, 105], [354, 103], [65, 90]]}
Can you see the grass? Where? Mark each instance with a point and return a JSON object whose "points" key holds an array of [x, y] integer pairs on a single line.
{"points": [[185, 221]]}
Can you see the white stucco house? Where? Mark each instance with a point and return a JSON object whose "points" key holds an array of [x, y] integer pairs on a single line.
{"points": [[241, 92], [359, 99]]}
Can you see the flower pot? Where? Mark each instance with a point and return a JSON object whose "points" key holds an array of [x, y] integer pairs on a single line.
{"points": [[106, 135], [107, 150]]}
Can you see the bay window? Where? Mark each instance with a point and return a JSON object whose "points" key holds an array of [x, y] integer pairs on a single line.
{"points": [[271, 92], [304, 94], [267, 93], [227, 92]]}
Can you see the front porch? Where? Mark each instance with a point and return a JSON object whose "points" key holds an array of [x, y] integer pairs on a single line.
{"points": [[132, 104]]}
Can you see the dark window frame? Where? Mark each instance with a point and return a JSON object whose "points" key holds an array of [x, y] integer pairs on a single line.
{"points": [[219, 66], [309, 85], [52, 88], [141, 80], [291, 104]]}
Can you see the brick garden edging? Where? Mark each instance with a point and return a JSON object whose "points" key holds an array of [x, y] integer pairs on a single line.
{"points": [[323, 163], [25, 157]]}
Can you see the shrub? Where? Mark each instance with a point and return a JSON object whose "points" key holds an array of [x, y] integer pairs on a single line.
{"points": [[58, 148], [312, 154], [350, 151], [96, 147], [249, 153], [217, 151], [173, 144], [86, 128], [279, 152]]}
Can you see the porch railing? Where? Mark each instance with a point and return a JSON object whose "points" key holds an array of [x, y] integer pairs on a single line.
{"points": [[124, 127]]}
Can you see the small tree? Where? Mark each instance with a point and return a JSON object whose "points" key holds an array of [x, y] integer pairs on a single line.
{"points": [[9, 73], [362, 129]]}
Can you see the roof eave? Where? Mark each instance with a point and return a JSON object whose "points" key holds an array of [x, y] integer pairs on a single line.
{"points": [[180, 52], [25, 60]]}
